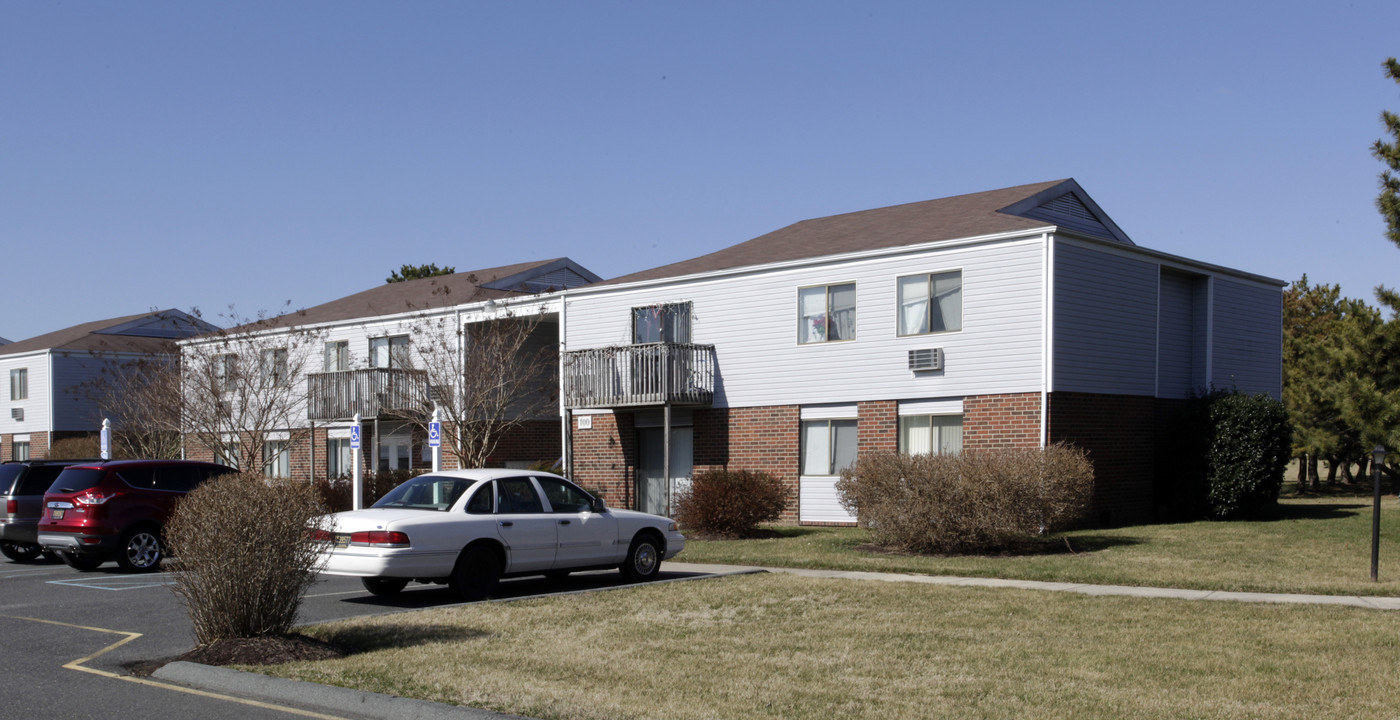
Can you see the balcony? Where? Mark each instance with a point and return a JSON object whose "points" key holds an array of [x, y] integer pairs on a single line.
{"points": [[371, 392], [639, 375]]}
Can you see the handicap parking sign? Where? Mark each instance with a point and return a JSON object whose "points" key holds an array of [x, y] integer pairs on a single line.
{"points": [[354, 437], [434, 434]]}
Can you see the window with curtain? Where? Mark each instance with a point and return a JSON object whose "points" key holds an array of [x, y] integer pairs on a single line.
{"points": [[930, 434], [274, 366], [338, 458], [277, 459], [230, 454], [668, 322], [337, 356], [930, 303], [21, 450], [19, 384], [389, 352], [828, 446], [826, 313]]}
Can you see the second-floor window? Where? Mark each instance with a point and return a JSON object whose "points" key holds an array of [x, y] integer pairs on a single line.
{"points": [[826, 313], [19, 384], [225, 372], [930, 303], [337, 356], [665, 322], [388, 352], [274, 366]]}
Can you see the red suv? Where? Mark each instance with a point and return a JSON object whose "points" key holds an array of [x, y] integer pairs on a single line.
{"points": [[95, 512]]}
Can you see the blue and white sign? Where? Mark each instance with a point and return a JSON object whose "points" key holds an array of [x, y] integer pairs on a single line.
{"points": [[434, 434], [354, 437]]}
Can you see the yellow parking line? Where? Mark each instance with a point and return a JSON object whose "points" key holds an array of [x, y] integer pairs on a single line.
{"points": [[78, 665]]}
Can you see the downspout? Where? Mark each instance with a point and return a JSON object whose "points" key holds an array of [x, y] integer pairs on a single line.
{"points": [[1047, 339], [566, 449]]}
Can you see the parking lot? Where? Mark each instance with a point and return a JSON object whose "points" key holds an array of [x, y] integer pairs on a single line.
{"points": [[70, 638]]}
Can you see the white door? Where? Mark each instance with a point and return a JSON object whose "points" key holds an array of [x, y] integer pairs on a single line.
{"points": [[395, 452], [654, 492]]}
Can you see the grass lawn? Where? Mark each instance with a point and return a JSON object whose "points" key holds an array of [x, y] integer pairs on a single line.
{"points": [[1314, 546], [776, 646]]}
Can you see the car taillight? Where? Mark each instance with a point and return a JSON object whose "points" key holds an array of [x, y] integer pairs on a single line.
{"points": [[11, 506], [92, 497], [380, 538], [320, 535]]}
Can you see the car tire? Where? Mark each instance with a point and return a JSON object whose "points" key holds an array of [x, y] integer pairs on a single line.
{"points": [[20, 552], [140, 550], [384, 586], [81, 563], [476, 574], [643, 559]]}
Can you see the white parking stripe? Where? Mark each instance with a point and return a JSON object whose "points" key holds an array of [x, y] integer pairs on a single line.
{"points": [[129, 582]]}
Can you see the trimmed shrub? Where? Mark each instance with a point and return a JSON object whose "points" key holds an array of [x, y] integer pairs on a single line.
{"points": [[731, 503], [1224, 455], [71, 448], [973, 501], [242, 556]]}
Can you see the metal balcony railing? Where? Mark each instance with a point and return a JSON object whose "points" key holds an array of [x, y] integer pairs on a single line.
{"points": [[635, 375], [370, 392]]}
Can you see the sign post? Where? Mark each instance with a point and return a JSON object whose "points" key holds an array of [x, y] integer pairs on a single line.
{"points": [[356, 494], [435, 440], [106, 439]]}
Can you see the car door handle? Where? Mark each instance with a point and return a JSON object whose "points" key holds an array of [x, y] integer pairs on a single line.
{"points": [[563, 522], [506, 523]]}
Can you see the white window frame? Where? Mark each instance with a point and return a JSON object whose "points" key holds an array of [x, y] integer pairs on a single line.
{"points": [[225, 371], [19, 384], [274, 366], [810, 331], [811, 427], [671, 319], [942, 440], [336, 356], [277, 458], [393, 348], [906, 306]]}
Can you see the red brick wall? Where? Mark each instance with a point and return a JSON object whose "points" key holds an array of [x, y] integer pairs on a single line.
{"points": [[1001, 421], [604, 457], [766, 439], [38, 446], [535, 441], [878, 427], [1119, 434]]}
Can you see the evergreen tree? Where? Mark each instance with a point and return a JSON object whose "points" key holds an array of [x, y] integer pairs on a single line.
{"points": [[414, 272], [1389, 153]]}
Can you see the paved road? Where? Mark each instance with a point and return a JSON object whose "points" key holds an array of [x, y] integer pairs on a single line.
{"points": [[67, 638]]}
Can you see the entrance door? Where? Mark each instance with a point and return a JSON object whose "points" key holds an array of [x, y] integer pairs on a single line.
{"points": [[395, 452], [653, 491]]}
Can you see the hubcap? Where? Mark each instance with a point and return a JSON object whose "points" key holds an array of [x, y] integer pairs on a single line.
{"points": [[143, 550], [645, 562]]}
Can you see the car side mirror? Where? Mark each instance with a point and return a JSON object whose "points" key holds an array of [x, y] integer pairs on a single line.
{"points": [[597, 505]]}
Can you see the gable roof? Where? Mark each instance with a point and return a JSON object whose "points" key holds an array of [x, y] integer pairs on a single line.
{"points": [[442, 291], [1061, 203], [150, 332]]}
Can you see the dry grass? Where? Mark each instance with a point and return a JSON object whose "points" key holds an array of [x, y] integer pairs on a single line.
{"points": [[789, 647], [1315, 546]]}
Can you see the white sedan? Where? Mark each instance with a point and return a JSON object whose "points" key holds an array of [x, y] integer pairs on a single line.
{"points": [[469, 528]]}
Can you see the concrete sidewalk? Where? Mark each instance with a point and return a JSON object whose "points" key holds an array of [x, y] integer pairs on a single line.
{"points": [[1373, 603]]}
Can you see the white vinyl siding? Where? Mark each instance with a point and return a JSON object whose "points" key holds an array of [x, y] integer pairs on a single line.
{"points": [[1181, 346], [749, 319], [1247, 329], [1105, 324]]}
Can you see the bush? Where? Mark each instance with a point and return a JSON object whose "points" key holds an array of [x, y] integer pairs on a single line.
{"points": [[338, 493], [730, 503], [1225, 455], [76, 448], [969, 502], [242, 557]]}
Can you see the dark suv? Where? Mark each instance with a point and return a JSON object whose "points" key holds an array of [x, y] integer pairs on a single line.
{"points": [[100, 511], [22, 486]]}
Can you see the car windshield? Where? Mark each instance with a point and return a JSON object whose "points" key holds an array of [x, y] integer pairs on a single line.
{"points": [[426, 492], [73, 479], [8, 473]]}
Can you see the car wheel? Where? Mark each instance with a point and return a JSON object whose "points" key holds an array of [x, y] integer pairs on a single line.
{"points": [[20, 552], [83, 563], [643, 559], [140, 550], [384, 586], [477, 572]]}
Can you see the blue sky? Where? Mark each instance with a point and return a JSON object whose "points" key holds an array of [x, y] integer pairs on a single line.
{"points": [[260, 154]]}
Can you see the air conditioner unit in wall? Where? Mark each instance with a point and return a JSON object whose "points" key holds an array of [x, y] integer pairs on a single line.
{"points": [[17, 414], [926, 359]]}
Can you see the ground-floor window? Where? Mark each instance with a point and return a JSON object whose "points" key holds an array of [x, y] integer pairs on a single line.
{"points": [[339, 460], [277, 459], [21, 450], [930, 434], [828, 446]]}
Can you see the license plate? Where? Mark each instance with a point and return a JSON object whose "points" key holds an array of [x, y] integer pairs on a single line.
{"points": [[58, 514], [342, 540]]}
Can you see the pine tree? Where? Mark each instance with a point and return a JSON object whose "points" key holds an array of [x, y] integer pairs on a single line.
{"points": [[1389, 153]]}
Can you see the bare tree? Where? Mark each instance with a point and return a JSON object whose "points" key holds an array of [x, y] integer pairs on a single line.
{"points": [[242, 385], [142, 398], [488, 378]]}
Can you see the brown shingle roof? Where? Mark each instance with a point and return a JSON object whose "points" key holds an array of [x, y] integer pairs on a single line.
{"points": [[894, 226], [89, 337], [413, 296]]}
